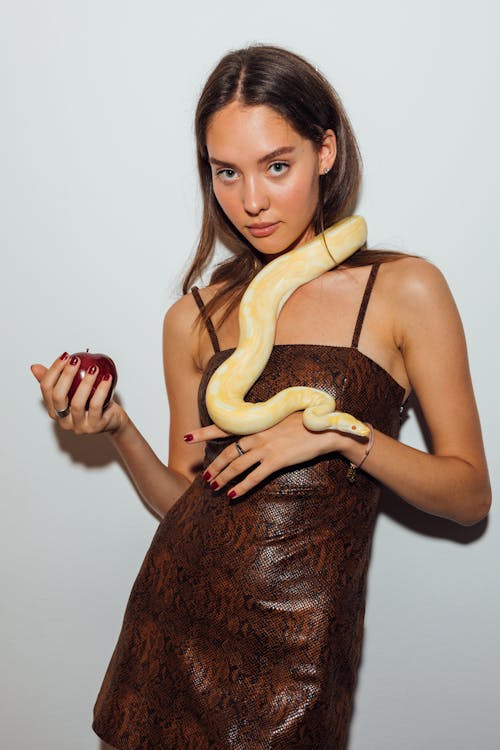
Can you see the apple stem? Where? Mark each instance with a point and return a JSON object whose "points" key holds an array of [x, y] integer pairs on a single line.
{"points": [[87, 348]]}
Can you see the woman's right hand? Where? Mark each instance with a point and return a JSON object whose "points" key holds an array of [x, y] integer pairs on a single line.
{"points": [[55, 383]]}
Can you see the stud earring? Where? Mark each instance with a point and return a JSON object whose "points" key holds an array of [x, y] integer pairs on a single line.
{"points": [[326, 170]]}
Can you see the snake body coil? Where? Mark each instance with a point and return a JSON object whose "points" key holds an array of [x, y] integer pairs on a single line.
{"points": [[259, 309]]}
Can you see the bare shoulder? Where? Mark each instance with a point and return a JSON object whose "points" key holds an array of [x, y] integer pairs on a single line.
{"points": [[180, 333], [186, 308], [180, 329], [413, 284], [180, 317], [419, 303]]}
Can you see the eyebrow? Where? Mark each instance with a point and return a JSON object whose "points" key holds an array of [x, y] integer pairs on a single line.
{"points": [[268, 157]]}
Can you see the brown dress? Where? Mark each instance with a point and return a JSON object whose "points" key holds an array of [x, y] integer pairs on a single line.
{"points": [[243, 629]]}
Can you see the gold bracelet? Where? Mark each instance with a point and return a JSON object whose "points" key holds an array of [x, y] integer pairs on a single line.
{"points": [[351, 471]]}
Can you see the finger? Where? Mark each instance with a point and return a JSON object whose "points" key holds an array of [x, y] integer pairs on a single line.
{"points": [[57, 366], [81, 397], [38, 371], [56, 393], [222, 460], [212, 432], [226, 466], [50, 378], [255, 477], [96, 404]]}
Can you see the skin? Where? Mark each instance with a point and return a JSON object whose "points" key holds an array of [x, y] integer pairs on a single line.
{"points": [[274, 182], [265, 173]]}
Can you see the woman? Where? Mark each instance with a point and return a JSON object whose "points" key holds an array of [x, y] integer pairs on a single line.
{"points": [[244, 626]]}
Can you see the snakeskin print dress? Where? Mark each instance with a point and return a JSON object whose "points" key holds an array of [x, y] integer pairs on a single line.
{"points": [[243, 629]]}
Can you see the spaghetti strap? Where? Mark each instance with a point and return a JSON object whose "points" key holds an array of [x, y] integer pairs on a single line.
{"points": [[208, 322], [364, 305]]}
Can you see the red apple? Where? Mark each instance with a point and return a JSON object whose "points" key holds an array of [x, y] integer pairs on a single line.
{"points": [[105, 365]]}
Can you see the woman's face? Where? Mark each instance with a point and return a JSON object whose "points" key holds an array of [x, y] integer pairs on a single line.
{"points": [[265, 175]]}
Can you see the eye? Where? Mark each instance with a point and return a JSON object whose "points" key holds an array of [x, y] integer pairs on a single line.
{"points": [[278, 167], [227, 174]]}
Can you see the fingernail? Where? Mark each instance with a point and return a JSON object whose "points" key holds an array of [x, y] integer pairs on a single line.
{"points": [[64, 356], [206, 476], [106, 375], [92, 370], [188, 437], [73, 361], [214, 486], [231, 494]]}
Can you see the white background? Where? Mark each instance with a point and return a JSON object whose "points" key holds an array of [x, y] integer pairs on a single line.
{"points": [[99, 212]]}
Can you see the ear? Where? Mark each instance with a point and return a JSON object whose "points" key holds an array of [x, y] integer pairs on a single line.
{"points": [[327, 152]]}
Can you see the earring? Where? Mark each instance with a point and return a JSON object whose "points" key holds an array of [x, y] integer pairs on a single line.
{"points": [[326, 170]]}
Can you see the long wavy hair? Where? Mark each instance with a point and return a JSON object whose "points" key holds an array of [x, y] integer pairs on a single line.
{"points": [[288, 84]]}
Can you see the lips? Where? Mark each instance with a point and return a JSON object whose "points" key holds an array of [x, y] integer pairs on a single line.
{"points": [[262, 230]]}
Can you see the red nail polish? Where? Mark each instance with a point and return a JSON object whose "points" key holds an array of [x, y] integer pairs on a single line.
{"points": [[64, 356], [106, 375], [214, 486], [206, 476], [92, 370], [188, 437], [231, 494], [73, 361]]}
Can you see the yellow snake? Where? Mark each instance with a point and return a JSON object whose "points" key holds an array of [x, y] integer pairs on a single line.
{"points": [[259, 309]]}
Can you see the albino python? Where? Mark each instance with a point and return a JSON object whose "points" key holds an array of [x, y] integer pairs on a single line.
{"points": [[259, 309]]}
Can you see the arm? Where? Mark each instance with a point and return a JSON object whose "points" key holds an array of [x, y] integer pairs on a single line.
{"points": [[422, 327], [453, 481], [161, 485], [158, 484]]}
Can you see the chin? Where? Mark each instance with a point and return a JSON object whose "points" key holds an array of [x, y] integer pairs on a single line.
{"points": [[268, 253], [273, 246]]}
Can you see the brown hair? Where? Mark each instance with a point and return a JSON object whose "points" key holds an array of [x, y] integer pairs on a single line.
{"points": [[286, 82]]}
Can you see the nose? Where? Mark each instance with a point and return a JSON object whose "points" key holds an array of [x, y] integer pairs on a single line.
{"points": [[254, 196]]}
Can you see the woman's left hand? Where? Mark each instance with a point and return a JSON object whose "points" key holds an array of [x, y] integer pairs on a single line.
{"points": [[286, 444]]}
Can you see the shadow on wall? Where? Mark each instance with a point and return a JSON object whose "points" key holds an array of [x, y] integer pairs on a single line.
{"points": [[97, 451], [92, 451], [419, 521], [423, 523], [104, 746]]}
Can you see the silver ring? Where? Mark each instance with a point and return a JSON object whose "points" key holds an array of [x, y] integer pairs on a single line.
{"points": [[239, 449], [63, 413]]}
